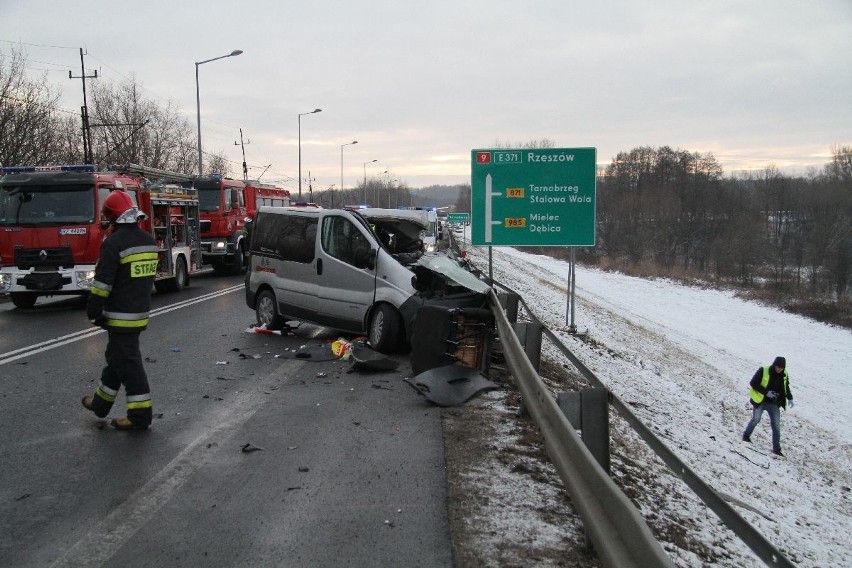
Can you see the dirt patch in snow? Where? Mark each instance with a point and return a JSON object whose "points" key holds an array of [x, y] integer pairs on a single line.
{"points": [[507, 506]]}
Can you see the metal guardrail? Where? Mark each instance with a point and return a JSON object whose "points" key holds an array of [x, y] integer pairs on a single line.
{"points": [[618, 532], [610, 522]]}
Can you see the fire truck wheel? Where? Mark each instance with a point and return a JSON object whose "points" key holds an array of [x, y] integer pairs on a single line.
{"points": [[267, 312], [181, 280], [23, 300], [238, 261], [385, 329]]}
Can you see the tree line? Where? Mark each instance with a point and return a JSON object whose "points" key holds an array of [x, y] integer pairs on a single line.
{"points": [[124, 126], [676, 209]]}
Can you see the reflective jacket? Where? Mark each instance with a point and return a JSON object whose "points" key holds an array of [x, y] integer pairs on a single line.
{"points": [[765, 380], [120, 298]]}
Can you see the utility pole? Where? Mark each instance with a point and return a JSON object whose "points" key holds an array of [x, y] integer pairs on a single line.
{"points": [[243, 144], [88, 158], [310, 188]]}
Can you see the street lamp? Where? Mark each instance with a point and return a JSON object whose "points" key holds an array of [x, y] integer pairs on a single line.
{"points": [[198, 100], [300, 147], [365, 179], [341, 165], [390, 192], [378, 197]]}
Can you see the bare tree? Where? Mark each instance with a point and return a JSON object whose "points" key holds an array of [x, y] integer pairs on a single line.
{"points": [[129, 128], [29, 125], [218, 164]]}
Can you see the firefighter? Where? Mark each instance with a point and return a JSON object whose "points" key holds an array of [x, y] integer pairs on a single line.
{"points": [[119, 302]]}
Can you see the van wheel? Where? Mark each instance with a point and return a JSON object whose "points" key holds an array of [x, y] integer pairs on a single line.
{"points": [[267, 311], [385, 329]]}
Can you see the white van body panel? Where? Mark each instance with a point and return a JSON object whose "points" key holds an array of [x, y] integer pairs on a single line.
{"points": [[329, 267]]}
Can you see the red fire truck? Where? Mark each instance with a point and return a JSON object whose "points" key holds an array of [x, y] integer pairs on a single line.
{"points": [[225, 205], [51, 228]]}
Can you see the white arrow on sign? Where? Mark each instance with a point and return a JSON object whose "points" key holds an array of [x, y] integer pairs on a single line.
{"points": [[489, 221]]}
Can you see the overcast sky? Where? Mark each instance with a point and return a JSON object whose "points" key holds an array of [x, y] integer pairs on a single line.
{"points": [[420, 84]]}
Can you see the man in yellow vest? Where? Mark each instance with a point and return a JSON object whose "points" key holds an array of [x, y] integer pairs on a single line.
{"points": [[770, 391]]}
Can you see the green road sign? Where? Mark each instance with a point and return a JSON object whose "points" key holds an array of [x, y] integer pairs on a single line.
{"points": [[533, 197], [458, 218]]}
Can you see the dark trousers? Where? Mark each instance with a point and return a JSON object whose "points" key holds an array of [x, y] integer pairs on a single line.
{"points": [[124, 367]]}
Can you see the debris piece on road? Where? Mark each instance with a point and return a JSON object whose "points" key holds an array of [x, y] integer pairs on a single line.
{"points": [[450, 385], [246, 448], [364, 358]]}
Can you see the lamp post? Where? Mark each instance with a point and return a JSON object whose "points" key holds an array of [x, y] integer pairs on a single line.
{"points": [[301, 114], [378, 196], [390, 192], [198, 101], [341, 164], [365, 179]]}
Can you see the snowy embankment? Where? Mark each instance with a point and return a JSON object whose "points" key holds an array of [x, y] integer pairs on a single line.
{"points": [[682, 358]]}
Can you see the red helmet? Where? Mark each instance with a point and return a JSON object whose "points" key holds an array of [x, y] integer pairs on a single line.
{"points": [[117, 207]]}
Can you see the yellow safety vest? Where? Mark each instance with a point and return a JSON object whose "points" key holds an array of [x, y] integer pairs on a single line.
{"points": [[758, 396]]}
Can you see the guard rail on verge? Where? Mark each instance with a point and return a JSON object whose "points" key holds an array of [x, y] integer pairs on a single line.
{"points": [[618, 532]]}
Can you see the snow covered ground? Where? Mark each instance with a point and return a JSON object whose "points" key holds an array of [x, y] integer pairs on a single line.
{"points": [[682, 357]]}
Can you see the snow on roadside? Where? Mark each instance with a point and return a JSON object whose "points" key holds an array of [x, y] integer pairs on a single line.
{"points": [[682, 357]]}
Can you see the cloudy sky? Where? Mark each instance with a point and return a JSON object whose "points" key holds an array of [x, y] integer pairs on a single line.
{"points": [[420, 84]]}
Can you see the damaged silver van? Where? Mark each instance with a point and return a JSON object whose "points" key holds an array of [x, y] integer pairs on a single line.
{"points": [[362, 271]]}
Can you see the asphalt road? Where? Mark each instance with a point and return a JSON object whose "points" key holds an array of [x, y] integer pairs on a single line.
{"points": [[347, 468]]}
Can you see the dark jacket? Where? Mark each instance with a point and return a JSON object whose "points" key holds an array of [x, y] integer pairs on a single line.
{"points": [[120, 298], [778, 382]]}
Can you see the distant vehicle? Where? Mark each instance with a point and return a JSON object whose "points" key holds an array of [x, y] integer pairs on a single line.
{"points": [[429, 235], [360, 271]]}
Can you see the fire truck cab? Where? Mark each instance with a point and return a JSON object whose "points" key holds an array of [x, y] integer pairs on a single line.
{"points": [[225, 206], [51, 228]]}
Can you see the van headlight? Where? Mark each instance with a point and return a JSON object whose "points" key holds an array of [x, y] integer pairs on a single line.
{"points": [[5, 282]]}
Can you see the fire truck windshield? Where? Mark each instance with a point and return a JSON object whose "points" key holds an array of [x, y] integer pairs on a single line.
{"points": [[209, 199], [35, 205]]}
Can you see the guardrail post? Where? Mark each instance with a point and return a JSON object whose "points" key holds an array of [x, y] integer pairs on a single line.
{"points": [[529, 336], [509, 302], [588, 411]]}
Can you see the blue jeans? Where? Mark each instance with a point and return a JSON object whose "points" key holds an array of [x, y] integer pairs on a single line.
{"points": [[774, 412]]}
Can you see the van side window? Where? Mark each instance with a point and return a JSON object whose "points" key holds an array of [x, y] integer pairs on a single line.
{"points": [[342, 240], [288, 237]]}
